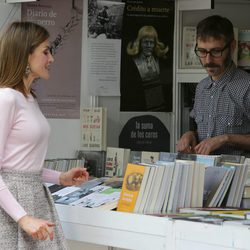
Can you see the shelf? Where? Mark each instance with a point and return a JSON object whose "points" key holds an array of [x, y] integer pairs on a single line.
{"points": [[190, 75], [144, 232]]}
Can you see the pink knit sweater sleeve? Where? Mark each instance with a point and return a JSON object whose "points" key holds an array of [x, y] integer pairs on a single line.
{"points": [[50, 176]]}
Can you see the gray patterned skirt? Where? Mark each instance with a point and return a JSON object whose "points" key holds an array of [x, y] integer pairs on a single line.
{"points": [[34, 196]]}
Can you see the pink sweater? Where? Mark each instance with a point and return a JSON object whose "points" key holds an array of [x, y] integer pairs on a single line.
{"points": [[24, 134]]}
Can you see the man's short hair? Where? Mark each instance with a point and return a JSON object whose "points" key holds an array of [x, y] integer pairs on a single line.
{"points": [[217, 27]]}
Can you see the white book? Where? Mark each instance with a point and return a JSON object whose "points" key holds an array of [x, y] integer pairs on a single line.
{"points": [[188, 197], [183, 187], [142, 188], [234, 185], [116, 161], [156, 185], [188, 57], [215, 195], [213, 178], [201, 180], [174, 186], [149, 157], [225, 187], [165, 186], [146, 192], [94, 128], [242, 183], [195, 185]]}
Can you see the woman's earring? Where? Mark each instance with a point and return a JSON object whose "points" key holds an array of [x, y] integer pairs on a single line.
{"points": [[27, 70]]}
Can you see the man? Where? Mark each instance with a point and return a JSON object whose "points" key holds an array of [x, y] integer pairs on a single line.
{"points": [[222, 100]]}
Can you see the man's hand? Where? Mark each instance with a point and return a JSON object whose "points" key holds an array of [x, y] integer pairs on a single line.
{"points": [[209, 145], [37, 228], [187, 143]]}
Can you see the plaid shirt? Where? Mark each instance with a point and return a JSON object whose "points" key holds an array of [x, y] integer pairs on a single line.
{"points": [[223, 107]]}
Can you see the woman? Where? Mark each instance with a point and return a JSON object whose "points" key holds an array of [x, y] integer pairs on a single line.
{"points": [[27, 213]]}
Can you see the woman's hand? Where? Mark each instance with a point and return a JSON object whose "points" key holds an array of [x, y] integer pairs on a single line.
{"points": [[75, 176], [37, 228]]}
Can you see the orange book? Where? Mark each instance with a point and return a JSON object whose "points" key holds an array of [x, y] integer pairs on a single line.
{"points": [[130, 187]]}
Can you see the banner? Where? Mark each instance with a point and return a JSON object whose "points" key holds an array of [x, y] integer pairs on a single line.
{"points": [[147, 56], [59, 97]]}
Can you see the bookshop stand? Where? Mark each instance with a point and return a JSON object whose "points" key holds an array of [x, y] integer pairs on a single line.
{"points": [[144, 232]]}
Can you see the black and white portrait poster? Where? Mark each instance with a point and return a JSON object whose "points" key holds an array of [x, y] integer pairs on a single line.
{"points": [[59, 97], [147, 56], [104, 47]]}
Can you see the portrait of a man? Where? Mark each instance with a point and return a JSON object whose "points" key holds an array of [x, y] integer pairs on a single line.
{"points": [[146, 88]]}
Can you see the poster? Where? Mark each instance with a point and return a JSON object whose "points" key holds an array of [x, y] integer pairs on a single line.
{"points": [[59, 97], [104, 47], [147, 56]]}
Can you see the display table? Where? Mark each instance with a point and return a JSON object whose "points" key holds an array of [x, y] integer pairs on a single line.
{"points": [[144, 232]]}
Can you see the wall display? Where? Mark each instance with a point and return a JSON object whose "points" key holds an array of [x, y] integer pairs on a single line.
{"points": [[147, 56], [104, 47], [60, 96], [145, 133]]}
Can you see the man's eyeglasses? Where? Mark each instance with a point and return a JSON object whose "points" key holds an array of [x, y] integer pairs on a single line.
{"points": [[213, 52]]}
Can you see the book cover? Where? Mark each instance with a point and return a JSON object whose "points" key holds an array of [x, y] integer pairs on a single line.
{"points": [[145, 182], [236, 186], [149, 157], [94, 161], [244, 49], [215, 177], [130, 187], [188, 57], [116, 161], [94, 128], [165, 187], [167, 156], [135, 156], [155, 189], [246, 192]]}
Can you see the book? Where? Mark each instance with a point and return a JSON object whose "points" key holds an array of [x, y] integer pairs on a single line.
{"points": [[101, 195], [215, 179], [156, 185], [208, 160], [94, 161], [144, 183], [197, 184], [245, 203], [148, 188], [244, 49], [174, 187], [167, 156], [246, 192], [188, 57], [135, 156], [230, 159], [94, 128], [165, 186], [227, 212], [149, 157], [130, 188], [116, 161], [236, 188]]}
